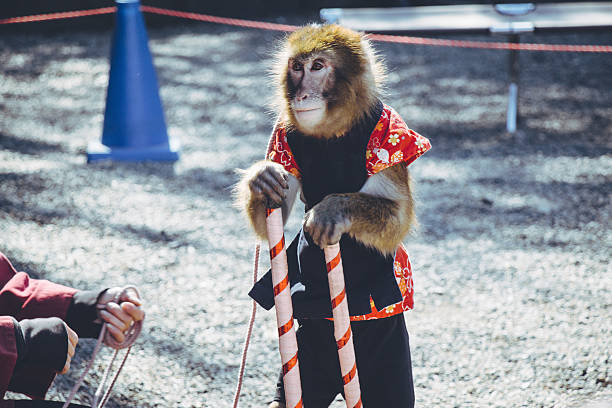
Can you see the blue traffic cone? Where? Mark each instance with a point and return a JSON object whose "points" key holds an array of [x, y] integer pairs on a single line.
{"points": [[134, 124]]}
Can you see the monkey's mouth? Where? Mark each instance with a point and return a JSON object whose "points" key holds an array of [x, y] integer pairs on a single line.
{"points": [[303, 110], [309, 117], [309, 114]]}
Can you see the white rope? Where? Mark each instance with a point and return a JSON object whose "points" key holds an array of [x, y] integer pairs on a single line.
{"points": [[105, 337]]}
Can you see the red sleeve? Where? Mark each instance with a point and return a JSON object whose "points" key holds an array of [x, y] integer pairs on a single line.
{"points": [[280, 152], [25, 298], [30, 380], [392, 142], [8, 352]]}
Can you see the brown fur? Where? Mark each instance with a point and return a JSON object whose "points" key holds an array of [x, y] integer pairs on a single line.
{"points": [[377, 221], [358, 76], [254, 209], [380, 215], [399, 222]]}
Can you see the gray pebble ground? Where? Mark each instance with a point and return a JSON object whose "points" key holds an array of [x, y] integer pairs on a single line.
{"points": [[512, 257]]}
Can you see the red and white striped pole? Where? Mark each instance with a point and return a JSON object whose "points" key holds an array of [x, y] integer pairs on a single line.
{"points": [[342, 327], [287, 340]]}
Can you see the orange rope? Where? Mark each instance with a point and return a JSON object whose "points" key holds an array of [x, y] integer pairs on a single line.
{"points": [[399, 39], [490, 45], [57, 16], [220, 20]]}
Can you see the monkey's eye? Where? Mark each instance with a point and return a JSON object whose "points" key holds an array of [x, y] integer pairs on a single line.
{"points": [[317, 65], [296, 66]]}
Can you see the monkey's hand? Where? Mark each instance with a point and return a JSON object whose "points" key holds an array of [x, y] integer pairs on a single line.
{"points": [[328, 220], [265, 184], [269, 182]]}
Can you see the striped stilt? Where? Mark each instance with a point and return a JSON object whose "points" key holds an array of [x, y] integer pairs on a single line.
{"points": [[342, 327], [284, 309]]}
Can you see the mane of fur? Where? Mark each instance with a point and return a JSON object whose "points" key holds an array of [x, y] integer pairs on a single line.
{"points": [[358, 75]]}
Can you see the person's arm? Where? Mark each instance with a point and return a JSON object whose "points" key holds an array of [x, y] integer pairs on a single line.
{"points": [[38, 321], [8, 352], [32, 352], [26, 298], [34, 341]]}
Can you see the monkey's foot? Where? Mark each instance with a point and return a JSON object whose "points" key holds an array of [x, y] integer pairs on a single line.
{"points": [[276, 404]]}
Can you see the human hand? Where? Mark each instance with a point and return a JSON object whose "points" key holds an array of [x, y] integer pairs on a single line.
{"points": [[73, 339], [120, 315]]}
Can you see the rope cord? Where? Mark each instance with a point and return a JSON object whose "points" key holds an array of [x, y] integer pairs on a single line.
{"points": [[58, 16], [105, 337], [247, 339], [398, 39]]}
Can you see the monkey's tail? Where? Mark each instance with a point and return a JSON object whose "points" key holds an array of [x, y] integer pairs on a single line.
{"points": [[247, 339]]}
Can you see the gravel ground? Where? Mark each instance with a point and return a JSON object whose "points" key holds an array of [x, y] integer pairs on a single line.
{"points": [[512, 274]]}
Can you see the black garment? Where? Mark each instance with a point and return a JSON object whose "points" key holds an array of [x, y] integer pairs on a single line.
{"points": [[45, 340], [82, 314], [331, 166], [336, 165], [382, 351]]}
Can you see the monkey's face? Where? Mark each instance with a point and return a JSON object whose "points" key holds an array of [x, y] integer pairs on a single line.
{"points": [[310, 77], [327, 77]]}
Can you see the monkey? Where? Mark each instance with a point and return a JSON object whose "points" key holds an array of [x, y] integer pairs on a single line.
{"points": [[345, 152]]}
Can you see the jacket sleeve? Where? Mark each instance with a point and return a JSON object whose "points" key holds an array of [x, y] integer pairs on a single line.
{"points": [[392, 142], [8, 352], [280, 152], [25, 298]]}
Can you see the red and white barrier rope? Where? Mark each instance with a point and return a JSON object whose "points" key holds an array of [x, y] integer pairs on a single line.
{"points": [[489, 45], [342, 327], [287, 339], [398, 39], [262, 25], [58, 16]]}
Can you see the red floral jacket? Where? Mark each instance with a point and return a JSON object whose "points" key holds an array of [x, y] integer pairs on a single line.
{"points": [[391, 142]]}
